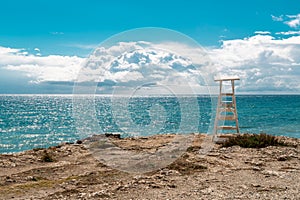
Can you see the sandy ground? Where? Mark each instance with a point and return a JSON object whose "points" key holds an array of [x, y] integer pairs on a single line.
{"points": [[224, 173]]}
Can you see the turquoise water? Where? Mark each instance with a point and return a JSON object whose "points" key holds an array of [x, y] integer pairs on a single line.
{"points": [[28, 122]]}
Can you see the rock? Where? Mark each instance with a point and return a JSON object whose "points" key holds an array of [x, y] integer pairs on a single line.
{"points": [[171, 186], [271, 173], [118, 136], [207, 191], [225, 173], [283, 158], [244, 186], [256, 168], [227, 156], [214, 154], [79, 142], [255, 185]]}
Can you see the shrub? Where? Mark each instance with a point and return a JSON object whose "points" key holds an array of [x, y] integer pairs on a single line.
{"points": [[47, 157], [253, 141]]}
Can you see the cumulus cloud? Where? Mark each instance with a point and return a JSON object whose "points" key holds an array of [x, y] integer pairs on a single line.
{"points": [[40, 69], [264, 64], [262, 61], [133, 64]]}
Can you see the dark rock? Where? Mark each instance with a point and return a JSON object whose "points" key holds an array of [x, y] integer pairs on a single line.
{"points": [[113, 135], [78, 142], [283, 158]]}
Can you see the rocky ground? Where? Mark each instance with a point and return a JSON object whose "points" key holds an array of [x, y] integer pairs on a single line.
{"points": [[71, 171]]}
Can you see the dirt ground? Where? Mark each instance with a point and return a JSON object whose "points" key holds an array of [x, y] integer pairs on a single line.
{"points": [[71, 171]]}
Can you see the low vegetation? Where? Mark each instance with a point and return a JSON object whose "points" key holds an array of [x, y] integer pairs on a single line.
{"points": [[47, 157], [253, 141], [185, 167]]}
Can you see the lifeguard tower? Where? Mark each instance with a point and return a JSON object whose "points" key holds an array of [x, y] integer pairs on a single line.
{"points": [[226, 108]]}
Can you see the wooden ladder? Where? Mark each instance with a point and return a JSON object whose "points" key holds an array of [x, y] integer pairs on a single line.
{"points": [[226, 109]]}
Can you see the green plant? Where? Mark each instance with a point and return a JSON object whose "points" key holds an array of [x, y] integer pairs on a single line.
{"points": [[253, 141], [47, 157]]}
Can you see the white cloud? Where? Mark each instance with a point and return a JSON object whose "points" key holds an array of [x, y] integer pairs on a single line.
{"points": [[294, 21], [40, 68], [7, 50], [279, 19], [263, 32], [263, 63], [288, 33], [137, 63]]}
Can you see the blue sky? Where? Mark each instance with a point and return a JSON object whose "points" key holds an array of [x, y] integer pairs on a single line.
{"points": [[36, 31]]}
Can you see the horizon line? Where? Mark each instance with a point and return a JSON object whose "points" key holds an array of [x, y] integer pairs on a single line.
{"points": [[193, 94]]}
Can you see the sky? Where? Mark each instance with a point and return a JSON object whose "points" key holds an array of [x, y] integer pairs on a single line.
{"points": [[43, 43]]}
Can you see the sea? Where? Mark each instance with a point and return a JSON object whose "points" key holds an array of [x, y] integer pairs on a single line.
{"points": [[39, 121]]}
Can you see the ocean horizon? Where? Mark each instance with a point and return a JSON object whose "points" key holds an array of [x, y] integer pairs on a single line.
{"points": [[30, 121]]}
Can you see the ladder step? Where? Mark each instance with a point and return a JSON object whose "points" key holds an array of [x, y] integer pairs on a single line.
{"points": [[226, 101], [226, 109], [227, 104], [227, 127], [227, 117], [227, 94]]}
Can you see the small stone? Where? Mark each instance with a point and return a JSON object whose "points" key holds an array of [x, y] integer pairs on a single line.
{"points": [[256, 168], [172, 186], [255, 185], [207, 191], [271, 173], [226, 156], [78, 142], [213, 154], [244, 187], [155, 186], [283, 158]]}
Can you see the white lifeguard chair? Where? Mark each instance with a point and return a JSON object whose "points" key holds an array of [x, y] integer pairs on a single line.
{"points": [[226, 108]]}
